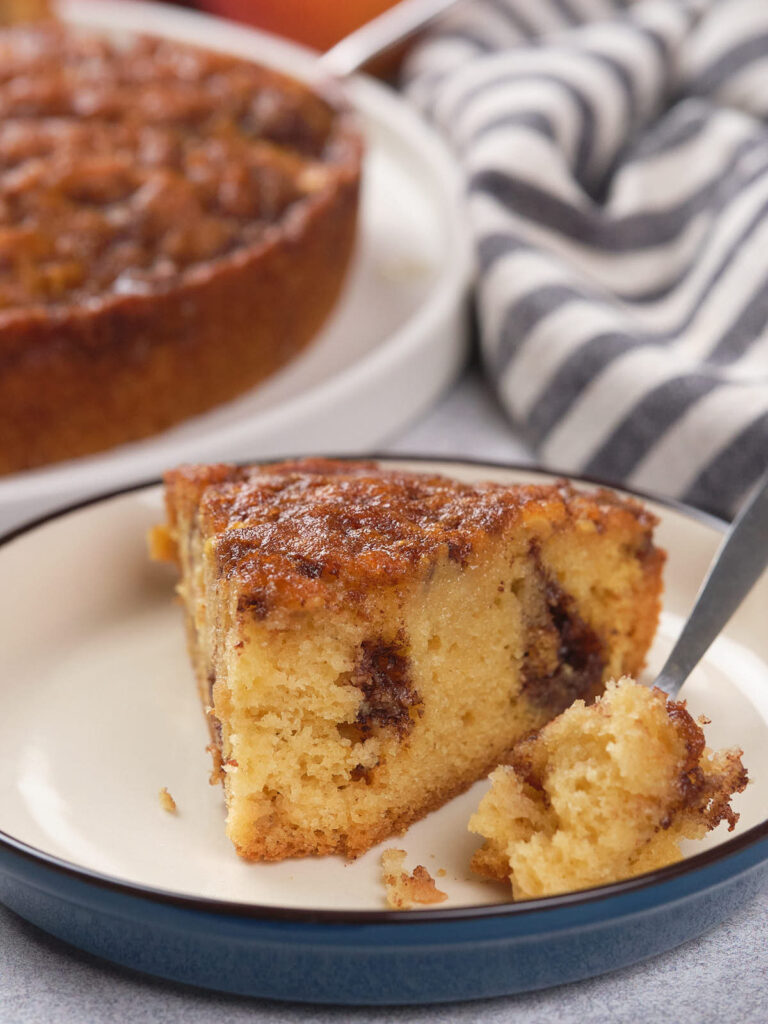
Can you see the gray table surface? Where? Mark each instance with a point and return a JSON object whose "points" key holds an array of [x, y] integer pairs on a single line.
{"points": [[722, 976]]}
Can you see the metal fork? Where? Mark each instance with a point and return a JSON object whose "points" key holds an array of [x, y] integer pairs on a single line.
{"points": [[737, 566]]}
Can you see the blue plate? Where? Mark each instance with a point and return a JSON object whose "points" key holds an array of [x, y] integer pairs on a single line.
{"points": [[87, 854]]}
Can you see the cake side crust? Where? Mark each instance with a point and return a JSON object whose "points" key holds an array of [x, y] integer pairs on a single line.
{"points": [[84, 380]]}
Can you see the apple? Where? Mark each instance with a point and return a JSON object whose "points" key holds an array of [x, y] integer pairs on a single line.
{"points": [[316, 23]]}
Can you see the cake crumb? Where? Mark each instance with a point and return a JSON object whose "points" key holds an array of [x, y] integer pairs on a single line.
{"points": [[166, 801], [217, 770], [441, 872], [404, 890], [162, 546]]}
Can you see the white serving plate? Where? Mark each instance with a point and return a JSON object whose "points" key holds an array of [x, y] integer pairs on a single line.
{"points": [[100, 710], [397, 338]]}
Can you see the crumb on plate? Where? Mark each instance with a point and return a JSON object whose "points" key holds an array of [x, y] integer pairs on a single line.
{"points": [[404, 890], [166, 801], [217, 768], [162, 546]]}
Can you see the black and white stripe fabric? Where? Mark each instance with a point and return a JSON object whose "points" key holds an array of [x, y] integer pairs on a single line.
{"points": [[616, 158]]}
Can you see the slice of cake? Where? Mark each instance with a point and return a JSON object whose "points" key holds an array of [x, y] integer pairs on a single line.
{"points": [[368, 642], [603, 793]]}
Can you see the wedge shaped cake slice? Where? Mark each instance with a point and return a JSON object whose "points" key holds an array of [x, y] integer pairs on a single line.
{"points": [[368, 642]]}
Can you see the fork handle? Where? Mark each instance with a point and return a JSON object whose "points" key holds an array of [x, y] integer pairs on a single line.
{"points": [[378, 35], [738, 565]]}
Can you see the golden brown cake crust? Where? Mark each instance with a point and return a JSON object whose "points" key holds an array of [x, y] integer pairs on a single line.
{"points": [[314, 532], [174, 227]]}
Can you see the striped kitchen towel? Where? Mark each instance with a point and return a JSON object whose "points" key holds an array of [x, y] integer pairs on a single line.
{"points": [[616, 160]]}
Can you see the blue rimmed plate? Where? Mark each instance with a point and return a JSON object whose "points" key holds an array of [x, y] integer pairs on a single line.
{"points": [[100, 711]]}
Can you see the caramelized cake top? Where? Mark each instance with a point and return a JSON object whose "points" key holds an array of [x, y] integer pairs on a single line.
{"points": [[124, 164], [316, 532]]}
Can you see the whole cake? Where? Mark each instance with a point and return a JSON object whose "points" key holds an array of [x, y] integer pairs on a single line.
{"points": [[603, 793], [368, 642], [175, 225]]}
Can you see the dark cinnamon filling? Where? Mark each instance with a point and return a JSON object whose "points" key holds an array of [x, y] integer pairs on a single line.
{"points": [[704, 793], [383, 673], [566, 658]]}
